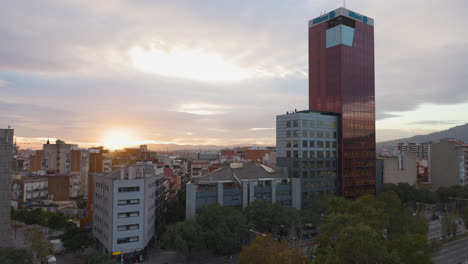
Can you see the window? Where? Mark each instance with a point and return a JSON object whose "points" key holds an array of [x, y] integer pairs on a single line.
{"points": [[305, 123], [295, 123], [312, 123], [288, 144], [295, 133], [304, 133], [305, 143], [334, 134], [319, 154], [295, 164], [319, 144], [288, 154], [327, 144], [305, 174], [127, 240], [327, 134], [327, 154], [320, 134], [295, 154], [295, 144], [312, 154], [128, 214], [128, 227], [305, 165], [304, 154], [334, 144], [312, 164], [312, 134], [312, 144], [129, 189], [128, 202], [288, 133], [288, 123], [333, 154]]}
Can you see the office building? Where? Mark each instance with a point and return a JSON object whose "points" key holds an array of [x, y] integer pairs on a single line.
{"points": [[307, 144], [342, 81], [448, 164], [400, 169], [240, 184], [6, 157], [124, 208]]}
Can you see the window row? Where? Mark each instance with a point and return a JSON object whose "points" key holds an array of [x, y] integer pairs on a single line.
{"points": [[311, 144], [312, 124], [128, 214], [315, 164], [128, 227], [128, 202], [310, 133], [319, 174], [129, 189], [127, 240], [311, 154]]}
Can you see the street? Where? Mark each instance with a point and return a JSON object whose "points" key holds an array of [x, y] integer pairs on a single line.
{"points": [[453, 253]]}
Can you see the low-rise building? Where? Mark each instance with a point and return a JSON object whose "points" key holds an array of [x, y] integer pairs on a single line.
{"points": [[62, 187], [448, 164], [27, 189], [400, 169], [240, 184], [124, 208]]}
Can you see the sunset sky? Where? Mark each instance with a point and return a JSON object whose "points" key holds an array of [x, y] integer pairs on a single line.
{"points": [[213, 72]]}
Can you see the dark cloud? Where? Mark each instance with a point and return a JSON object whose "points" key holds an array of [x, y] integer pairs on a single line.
{"points": [[381, 116]]}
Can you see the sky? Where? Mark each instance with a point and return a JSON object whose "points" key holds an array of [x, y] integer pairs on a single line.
{"points": [[213, 72]]}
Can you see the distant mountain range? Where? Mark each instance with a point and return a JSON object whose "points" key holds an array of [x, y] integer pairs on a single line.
{"points": [[458, 133]]}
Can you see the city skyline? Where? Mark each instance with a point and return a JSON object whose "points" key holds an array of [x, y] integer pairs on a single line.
{"points": [[123, 75]]}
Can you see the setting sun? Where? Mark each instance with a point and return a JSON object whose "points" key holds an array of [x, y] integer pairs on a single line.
{"points": [[117, 139]]}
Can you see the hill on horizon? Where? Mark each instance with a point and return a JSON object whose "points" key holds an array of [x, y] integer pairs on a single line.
{"points": [[457, 132]]}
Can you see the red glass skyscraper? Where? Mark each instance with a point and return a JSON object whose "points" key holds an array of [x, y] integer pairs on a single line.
{"points": [[341, 81]]}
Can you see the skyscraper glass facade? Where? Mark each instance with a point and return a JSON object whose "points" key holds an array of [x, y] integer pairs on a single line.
{"points": [[307, 144], [341, 81]]}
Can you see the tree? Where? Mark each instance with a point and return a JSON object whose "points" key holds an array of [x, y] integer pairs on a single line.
{"points": [[449, 225], [314, 212], [372, 230], [15, 256], [223, 229], [57, 221], [265, 250], [272, 218], [74, 238], [183, 237], [99, 258], [39, 245]]}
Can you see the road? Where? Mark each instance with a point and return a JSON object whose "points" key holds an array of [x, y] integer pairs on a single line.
{"points": [[453, 253]]}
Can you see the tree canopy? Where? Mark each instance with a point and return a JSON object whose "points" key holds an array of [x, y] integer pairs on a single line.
{"points": [[265, 250]]}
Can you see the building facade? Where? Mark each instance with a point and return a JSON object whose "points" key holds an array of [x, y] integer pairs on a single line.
{"points": [[421, 150], [62, 187], [400, 169], [240, 184], [448, 164], [56, 158], [6, 157], [307, 144], [341, 81], [124, 208], [80, 167]]}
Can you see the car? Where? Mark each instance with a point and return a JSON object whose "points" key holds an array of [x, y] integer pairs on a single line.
{"points": [[434, 217]]}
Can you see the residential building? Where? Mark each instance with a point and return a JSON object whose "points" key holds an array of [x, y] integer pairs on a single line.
{"points": [[124, 207], [421, 150], [240, 184], [80, 167], [62, 187], [25, 189], [448, 164], [6, 156], [307, 144], [56, 158], [35, 161], [400, 169], [342, 82]]}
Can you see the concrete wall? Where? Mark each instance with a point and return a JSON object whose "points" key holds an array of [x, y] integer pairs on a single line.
{"points": [[400, 169], [444, 164], [6, 152]]}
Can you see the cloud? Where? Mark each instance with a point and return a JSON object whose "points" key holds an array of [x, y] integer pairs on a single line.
{"points": [[437, 122], [262, 128], [3, 83], [381, 116]]}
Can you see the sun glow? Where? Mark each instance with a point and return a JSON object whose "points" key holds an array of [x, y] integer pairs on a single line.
{"points": [[196, 64], [117, 139]]}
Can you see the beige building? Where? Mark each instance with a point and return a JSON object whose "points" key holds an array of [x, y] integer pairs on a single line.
{"points": [[448, 164], [56, 158], [400, 169]]}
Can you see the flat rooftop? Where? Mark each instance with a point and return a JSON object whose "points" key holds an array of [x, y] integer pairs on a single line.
{"points": [[243, 171], [341, 12]]}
